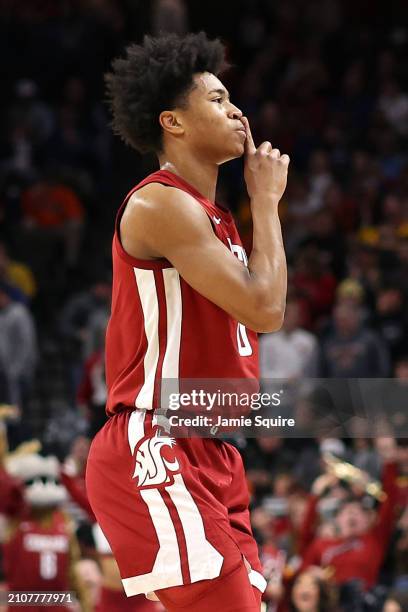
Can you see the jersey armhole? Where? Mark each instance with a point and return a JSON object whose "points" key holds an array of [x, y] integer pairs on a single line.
{"points": [[148, 264]]}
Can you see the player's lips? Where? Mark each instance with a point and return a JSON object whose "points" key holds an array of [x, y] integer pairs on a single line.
{"points": [[242, 131]]}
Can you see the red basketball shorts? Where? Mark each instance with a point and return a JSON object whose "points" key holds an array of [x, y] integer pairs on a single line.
{"points": [[116, 601], [175, 512]]}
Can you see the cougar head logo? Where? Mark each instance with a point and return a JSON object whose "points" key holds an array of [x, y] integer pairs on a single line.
{"points": [[152, 469]]}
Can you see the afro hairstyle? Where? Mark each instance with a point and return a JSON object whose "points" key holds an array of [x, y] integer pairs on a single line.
{"points": [[156, 76]]}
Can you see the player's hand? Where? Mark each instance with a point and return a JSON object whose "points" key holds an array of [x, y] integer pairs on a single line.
{"points": [[266, 170]]}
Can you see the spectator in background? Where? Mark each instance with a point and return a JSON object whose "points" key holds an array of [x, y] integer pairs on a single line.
{"points": [[265, 458], [396, 449], [320, 179], [272, 558], [29, 122], [364, 267], [351, 350], [311, 593], [314, 282], [53, 215], [17, 274], [351, 292], [92, 391], [83, 319], [18, 349], [30, 111], [355, 550], [393, 103], [72, 475], [82, 325], [391, 319], [364, 455], [81, 137], [170, 16], [343, 206], [329, 242], [396, 602], [291, 352], [403, 264]]}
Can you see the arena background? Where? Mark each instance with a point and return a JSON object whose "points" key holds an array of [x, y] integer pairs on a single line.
{"points": [[326, 81]]}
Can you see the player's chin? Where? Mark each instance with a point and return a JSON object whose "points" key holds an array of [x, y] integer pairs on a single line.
{"points": [[235, 151]]}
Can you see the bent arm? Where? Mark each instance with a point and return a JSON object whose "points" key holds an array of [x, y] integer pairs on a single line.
{"points": [[167, 222]]}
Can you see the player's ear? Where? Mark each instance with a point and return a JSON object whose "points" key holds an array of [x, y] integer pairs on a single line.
{"points": [[171, 123]]}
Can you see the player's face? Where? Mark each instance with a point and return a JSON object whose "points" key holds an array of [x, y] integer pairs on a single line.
{"points": [[212, 124]]}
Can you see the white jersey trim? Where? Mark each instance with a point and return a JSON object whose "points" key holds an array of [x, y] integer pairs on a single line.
{"points": [[148, 297], [171, 361]]}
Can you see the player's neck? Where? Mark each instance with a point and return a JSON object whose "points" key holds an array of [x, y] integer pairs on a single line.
{"points": [[200, 175]]}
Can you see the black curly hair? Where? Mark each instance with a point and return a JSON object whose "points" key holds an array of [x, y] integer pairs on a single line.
{"points": [[157, 76]]}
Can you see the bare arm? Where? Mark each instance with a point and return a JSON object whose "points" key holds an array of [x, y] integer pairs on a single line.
{"points": [[166, 222], [266, 172]]}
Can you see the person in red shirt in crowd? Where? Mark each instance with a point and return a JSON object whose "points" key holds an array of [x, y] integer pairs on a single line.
{"points": [[397, 448], [39, 551], [92, 392], [357, 545], [314, 282]]}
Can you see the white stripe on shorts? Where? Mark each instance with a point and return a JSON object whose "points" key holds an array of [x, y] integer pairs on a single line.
{"points": [[257, 580], [204, 560]]}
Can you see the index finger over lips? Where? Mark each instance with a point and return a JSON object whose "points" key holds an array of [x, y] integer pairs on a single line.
{"points": [[249, 141]]}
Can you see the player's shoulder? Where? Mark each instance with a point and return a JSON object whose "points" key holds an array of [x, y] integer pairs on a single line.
{"points": [[156, 201]]}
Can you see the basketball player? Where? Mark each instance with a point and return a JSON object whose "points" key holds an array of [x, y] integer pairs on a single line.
{"points": [[187, 304]]}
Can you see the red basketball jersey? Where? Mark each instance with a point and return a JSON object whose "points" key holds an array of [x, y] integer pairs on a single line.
{"points": [[161, 328], [36, 558]]}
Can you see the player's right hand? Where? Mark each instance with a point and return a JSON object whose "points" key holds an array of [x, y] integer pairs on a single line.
{"points": [[266, 170]]}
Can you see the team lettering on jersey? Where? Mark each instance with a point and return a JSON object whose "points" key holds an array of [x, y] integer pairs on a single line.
{"points": [[37, 542]]}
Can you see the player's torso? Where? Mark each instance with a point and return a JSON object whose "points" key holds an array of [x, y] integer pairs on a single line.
{"points": [[37, 557], [161, 328]]}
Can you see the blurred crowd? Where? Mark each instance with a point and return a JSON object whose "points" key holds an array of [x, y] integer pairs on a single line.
{"points": [[326, 81]]}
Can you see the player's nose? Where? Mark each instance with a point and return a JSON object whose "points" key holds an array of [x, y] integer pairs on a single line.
{"points": [[234, 112]]}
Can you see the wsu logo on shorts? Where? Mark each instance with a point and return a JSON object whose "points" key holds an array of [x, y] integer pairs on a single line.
{"points": [[156, 462]]}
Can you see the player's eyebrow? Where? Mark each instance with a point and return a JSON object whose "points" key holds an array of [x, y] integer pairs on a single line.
{"points": [[221, 91]]}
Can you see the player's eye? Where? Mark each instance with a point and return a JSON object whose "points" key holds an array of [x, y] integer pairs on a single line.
{"points": [[219, 100]]}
